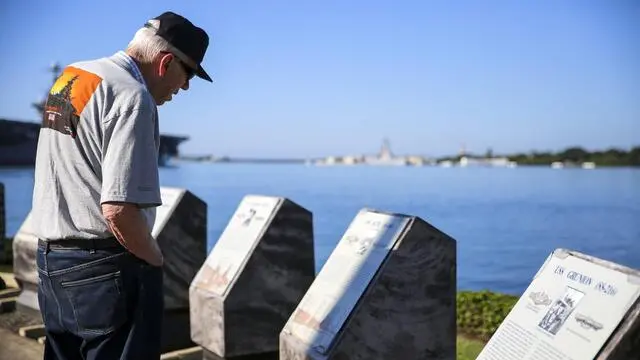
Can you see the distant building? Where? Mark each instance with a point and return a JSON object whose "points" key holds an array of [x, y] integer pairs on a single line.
{"points": [[488, 162], [385, 157]]}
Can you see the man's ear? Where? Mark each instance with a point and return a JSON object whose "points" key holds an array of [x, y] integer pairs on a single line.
{"points": [[163, 66]]}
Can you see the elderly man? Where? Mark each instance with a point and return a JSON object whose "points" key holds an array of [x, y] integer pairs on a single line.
{"points": [[96, 189]]}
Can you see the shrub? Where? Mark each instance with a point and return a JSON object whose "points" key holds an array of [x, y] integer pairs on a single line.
{"points": [[480, 313]]}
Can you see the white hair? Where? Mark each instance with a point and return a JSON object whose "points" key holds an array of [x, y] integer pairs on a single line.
{"points": [[146, 45]]}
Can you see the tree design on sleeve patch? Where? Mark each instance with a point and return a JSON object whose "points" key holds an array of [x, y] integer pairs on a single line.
{"points": [[67, 98]]}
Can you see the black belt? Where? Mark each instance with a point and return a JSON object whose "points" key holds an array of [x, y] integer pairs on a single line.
{"points": [[84, 244]]}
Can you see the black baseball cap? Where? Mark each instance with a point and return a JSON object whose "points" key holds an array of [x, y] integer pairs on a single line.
{"points": [[189, 41]]}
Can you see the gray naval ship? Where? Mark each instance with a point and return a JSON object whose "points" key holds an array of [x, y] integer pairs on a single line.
{"points": [[19, 138]]}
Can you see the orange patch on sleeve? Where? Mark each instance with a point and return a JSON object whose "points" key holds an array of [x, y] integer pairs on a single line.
{"points": [[79, 83]]}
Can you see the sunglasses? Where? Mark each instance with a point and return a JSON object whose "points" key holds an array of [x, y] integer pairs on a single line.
{"points": [[188, 70]]}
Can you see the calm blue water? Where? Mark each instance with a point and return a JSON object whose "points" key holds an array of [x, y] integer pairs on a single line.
{"points": [[506, 221]]}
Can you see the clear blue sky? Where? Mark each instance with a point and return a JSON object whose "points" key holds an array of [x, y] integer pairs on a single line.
{"points": [[303, 78]]}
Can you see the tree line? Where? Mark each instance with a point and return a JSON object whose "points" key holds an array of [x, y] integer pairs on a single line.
{"points": [[576, 155]]}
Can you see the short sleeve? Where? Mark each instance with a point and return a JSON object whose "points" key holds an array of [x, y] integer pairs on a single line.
{"points": [[130, 158]]}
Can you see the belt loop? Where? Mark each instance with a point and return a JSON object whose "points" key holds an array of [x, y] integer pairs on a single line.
{"points": [[93, 246], [47, 248]]}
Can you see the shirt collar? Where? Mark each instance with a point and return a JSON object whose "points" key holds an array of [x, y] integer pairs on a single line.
{"points": [[126, 61]]}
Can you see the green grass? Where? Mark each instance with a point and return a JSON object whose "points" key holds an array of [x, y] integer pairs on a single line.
{"points": [[468, 349], [481, 312], [6, 268]]}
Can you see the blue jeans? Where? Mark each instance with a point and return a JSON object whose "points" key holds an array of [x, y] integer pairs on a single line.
{"points": [[99, 304]]}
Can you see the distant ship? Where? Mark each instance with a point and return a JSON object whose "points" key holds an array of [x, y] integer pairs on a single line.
{"points": [[19, 139], [386, 157]]}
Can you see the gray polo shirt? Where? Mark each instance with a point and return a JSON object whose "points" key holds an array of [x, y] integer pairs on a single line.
{"points": [[99, 142]]}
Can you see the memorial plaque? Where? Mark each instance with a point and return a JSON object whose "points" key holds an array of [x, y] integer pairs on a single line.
{"points": [[387, 291], [253, 279], [236, 242], [576, 308]]}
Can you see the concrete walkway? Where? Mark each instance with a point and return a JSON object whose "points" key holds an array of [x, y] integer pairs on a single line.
{"points": [[14, 346]]}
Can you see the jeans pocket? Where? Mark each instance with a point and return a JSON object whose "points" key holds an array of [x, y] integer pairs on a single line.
{"points": [[98, 301]]}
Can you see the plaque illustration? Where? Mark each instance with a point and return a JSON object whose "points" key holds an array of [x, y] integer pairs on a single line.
{"points": [[558, 313], [587, 322], [248, 218], [318, 314], [247, 221], [217, 277], [540, 298]]}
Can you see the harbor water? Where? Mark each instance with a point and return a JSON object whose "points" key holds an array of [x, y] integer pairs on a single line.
{"points": [[506, 221]]}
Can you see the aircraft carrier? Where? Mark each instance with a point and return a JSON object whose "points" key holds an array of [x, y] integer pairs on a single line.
{"points": [[19, 139]]}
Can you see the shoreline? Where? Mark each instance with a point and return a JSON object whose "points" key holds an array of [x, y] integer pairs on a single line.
{"points": [[318, 163]]}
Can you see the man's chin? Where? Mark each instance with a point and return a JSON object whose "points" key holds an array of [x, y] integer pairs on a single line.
{"points": [[163, 100]]}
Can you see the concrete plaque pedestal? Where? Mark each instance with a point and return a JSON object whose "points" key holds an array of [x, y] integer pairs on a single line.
{"points": [[253, 279], [25, 246], [388, 291], [181, 231], [576, 308]]}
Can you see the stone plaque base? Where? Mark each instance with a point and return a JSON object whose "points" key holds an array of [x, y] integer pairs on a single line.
{"points": [[25, 246], [181, 232], [625, 344], [254, 277], [388, 291]]}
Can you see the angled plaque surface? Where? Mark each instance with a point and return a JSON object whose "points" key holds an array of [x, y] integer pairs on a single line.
{"points": [[253, 278], [236, 243], [570, 309], [170, 199], [344, 278]]}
